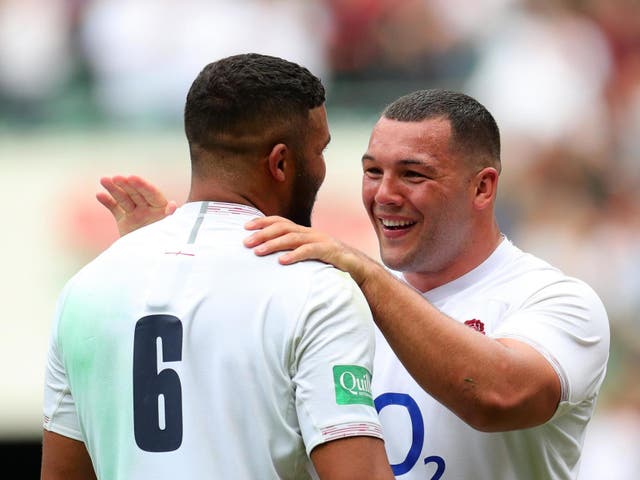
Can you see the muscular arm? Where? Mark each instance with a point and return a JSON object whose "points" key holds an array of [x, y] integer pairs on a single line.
{"points": [[491, 384], [353, 458], [64, 458]]}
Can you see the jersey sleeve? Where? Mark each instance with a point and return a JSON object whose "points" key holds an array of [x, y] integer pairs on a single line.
{"points": [[332, 362], [567, 323], [59, 410]]}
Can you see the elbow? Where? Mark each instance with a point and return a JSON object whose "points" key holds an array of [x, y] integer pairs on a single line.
{"points": [[485, 419], [494, 412]]}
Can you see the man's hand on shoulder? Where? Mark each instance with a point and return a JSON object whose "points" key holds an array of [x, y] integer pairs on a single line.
{"points": [[276, 234], [133, 202]]}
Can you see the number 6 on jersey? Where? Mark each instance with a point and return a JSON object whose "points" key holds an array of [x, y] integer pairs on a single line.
{"points": [[157, 394]]}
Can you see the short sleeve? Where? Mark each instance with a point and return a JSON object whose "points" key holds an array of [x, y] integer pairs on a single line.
{"points": [[58, 406], [333, 360], [567, 323]]}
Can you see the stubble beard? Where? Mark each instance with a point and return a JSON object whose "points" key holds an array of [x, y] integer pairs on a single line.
{"points": [[303, 197]]}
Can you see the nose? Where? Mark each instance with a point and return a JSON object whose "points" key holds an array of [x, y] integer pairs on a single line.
{"points": [[387, 192]]}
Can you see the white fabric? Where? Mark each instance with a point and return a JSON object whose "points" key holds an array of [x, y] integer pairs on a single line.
{"points": [[519, 296], [253, 383]]}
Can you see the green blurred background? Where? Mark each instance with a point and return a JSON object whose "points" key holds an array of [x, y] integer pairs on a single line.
{"points": [[96, 87]]}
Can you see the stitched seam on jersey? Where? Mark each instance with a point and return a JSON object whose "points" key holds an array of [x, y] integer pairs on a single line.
{"points": [[353, 429], [564, 384], [196, 226], [59, 400], [58, 346]]}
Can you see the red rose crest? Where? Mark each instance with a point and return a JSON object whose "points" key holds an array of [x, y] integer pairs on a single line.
{"points": [[476, 324]]}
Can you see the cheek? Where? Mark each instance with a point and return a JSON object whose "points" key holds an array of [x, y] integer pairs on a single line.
{"points": [[368, 192], [368, 201], [323, 170], [319, 171]]}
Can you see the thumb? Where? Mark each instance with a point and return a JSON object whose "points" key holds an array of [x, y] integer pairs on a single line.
{"points": [[171, 207]]}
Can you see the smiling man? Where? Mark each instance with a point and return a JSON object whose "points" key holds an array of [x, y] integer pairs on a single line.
{"points": [[489, 361]]}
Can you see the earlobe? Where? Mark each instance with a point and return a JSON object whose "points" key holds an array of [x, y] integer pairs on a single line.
{"points": [[278, 162]]}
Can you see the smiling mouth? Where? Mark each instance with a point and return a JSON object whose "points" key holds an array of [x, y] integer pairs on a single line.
{"points": [[395, 224]]}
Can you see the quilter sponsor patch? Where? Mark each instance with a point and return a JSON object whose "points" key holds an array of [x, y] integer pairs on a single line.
{"points": [[353, 385]]}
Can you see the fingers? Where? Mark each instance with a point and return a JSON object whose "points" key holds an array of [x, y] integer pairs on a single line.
{"points": [[277, 234], [307, 251], [113, 185], [171, 207], [271, 229], [108, 201], [262, 222], [297, 247], [288, 241], [135, 198], [145, 192]]}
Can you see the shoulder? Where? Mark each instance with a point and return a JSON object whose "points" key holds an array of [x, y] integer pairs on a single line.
{"points": [[548, 288]]}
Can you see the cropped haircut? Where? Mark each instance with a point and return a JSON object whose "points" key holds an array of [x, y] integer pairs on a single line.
{"points": [[474, 131], [239, 104]]}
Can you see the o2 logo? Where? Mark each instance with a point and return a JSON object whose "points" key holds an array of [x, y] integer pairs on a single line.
{"points": [[417, 434]]}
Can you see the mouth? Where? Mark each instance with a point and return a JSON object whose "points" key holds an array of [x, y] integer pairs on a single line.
{"points": [[395, 225]]}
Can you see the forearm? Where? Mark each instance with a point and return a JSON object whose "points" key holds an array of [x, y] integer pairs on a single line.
{"points": [[486, 382], [491, 384]]}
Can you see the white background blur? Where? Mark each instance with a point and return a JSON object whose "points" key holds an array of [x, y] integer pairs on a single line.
{"points": [[96, 87]]}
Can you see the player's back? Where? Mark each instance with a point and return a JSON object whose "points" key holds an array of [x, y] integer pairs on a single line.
{"points": [[180, 339]]}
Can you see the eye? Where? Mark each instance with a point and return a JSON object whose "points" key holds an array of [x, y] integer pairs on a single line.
{"points": [[414, 175], [373, 172]]}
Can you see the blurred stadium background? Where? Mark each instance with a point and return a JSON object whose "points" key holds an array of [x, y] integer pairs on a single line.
{"points": [[96, 87]]}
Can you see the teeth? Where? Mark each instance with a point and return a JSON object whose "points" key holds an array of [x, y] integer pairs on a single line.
{"points": [[395, 223]]}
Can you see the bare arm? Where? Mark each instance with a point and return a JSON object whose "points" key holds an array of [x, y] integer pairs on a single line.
{"points": [[64, 458], [133, 202], [352, 458], [492, 384]]}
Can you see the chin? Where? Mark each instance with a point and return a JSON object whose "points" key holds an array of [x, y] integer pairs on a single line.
{"points": [[391, 261]]}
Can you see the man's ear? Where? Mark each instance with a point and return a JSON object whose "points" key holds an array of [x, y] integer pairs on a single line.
{"points": [[278, 162], [486, 186]]}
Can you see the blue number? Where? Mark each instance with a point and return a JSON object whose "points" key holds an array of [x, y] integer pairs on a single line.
{"points": [[149, 384], [439, 461]]}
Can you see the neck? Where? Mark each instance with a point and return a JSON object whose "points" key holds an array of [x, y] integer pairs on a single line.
{"points": [[474, 254], [226, 198], [209, 191]]}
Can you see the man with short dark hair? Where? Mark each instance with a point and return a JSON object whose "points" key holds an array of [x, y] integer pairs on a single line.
{"points": [[489, 361], [178, 353]]}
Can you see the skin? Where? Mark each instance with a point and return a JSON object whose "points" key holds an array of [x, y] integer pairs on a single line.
{"points": [[64, 458], [291, 180], [365, 458], [444, 209], [133, 202], [447, 227], [427, 208]]}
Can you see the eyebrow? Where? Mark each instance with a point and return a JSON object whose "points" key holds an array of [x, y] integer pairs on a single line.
{"points": [[409, 162], [404, 161]]}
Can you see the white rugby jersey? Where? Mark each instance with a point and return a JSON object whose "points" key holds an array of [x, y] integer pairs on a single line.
{"points": [[179, 353], [516, 295]]}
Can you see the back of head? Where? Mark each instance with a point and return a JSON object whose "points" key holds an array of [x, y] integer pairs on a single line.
{"points": [[244, 104], [474, 131]]}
